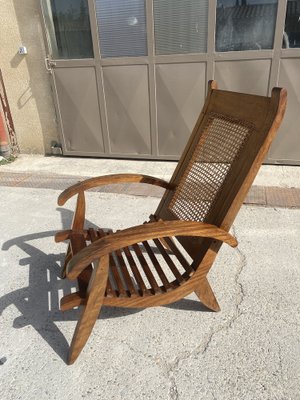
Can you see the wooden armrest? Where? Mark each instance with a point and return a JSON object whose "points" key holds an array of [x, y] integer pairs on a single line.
{"points": [[140, 233], [108, 180]]}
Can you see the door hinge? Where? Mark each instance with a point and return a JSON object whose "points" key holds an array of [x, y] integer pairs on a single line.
{"points": [[50, 64]]}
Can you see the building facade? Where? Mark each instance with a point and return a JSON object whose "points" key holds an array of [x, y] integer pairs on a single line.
{"points": [[127, 78]]}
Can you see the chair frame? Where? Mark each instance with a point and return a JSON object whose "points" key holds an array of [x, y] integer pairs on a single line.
{"points": [[93, 281]]}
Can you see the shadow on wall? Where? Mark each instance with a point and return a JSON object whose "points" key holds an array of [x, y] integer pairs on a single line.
{"points": [[38, 86], [15, 62]]}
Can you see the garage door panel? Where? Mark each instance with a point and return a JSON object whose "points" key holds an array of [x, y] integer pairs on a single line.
{"points": [[79, 110], [180, 96], [127, 102], [248, 76], [286, 146]]}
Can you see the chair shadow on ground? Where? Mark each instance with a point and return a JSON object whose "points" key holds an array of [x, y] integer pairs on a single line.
{"points": [[39, 302]]}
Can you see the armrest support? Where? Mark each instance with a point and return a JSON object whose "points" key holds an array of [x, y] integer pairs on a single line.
{"points": [[108, 180], [140, 233]]}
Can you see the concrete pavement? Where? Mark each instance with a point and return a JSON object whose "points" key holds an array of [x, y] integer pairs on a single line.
{"points": [[249, 350], [269, 175]]}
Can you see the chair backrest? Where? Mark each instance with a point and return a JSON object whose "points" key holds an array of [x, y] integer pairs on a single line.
{"points": [[222, 157]]}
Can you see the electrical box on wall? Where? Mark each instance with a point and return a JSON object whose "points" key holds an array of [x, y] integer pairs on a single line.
{"points": [[22, 50]]}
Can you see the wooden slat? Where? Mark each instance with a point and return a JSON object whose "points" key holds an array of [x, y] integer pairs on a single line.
{"points": [[71, 300], [136, 273], [146, 269], [169, 261], [140, 233], [153, 218], [101, 233], [116, 275], [126, 276], [120, 289], [157, 267], [77, 243], [95, 235], [109, 289], [172, 246], [110, 284]]}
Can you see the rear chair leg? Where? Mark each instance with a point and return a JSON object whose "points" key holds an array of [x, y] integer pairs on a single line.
{"points": [[67, 259], [206, 295], [90, 311]]}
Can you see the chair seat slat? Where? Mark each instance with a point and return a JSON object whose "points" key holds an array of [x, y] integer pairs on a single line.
{"points": [[126, 276], [146, 269], [166, 284], [172, 246], [169, 261], [142, 289]]}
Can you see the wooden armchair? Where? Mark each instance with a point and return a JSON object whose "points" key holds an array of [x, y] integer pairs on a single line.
{"points": [[227, 146]]}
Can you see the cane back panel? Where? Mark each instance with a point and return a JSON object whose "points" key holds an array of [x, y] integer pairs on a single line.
{"points": [[221, 143], [223, 146]]}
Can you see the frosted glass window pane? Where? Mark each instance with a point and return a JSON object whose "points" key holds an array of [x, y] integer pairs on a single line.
{"points": [[245, 24], [69, 30], [180, 26], [291, 36], [122, 27]]}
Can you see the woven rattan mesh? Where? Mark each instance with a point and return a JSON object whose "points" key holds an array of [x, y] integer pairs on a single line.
{"points": [[219, 146]]}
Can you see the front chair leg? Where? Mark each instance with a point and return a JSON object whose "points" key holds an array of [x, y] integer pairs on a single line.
{"points": [[206, 295], [91, 310]]}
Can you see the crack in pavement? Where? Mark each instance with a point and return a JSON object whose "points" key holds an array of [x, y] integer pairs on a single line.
{"points": [[280, 363], [241, 292], [170, 366], [173, 391]]}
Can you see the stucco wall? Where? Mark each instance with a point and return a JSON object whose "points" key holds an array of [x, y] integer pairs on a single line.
{"points": [[26, 79]]}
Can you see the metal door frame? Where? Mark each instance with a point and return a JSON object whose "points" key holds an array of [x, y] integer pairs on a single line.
{"points": [[72, 63]]}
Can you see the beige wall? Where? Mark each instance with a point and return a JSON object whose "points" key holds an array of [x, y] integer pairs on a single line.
{"points": [[26, 79]]}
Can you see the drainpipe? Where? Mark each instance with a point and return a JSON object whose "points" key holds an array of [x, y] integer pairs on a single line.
{"points": [[4, 147]]}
